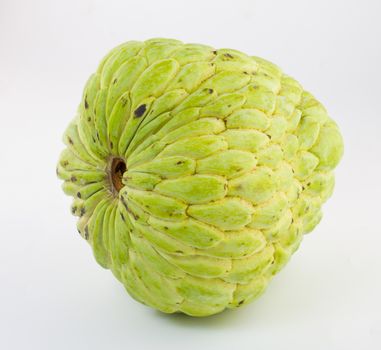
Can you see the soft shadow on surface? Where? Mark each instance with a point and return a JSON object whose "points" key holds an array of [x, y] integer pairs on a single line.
{"points": [[226, 318], [289, 296]]}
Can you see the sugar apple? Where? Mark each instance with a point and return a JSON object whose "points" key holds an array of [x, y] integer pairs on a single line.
{"points": [[195, 172]]}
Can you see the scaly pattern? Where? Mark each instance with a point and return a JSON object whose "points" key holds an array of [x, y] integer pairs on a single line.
{"points": [[222, 164]]}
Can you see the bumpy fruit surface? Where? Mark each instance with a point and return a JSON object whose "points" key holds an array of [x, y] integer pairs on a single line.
{"points": [[195, 172]]}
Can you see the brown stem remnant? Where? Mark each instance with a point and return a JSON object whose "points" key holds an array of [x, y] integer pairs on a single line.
{"points": [[117, 167]]}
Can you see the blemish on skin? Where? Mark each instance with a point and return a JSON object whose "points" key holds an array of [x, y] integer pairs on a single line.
{"points": [[179, 251], [79, 194], [127, 208], [115, 81], [210, 91], [83, 211], [89, 119], [86, 104], [70, 140], [245, 72], [140, 111], [124, 202], [73, 210], [73, 179], [241, 302], [122, 216], [64, 163], [215, 52], [123, 101], [86, 233], [111, 144], [98, 136], [165, 227], [180, 162], [228, 55], [94, 139]]}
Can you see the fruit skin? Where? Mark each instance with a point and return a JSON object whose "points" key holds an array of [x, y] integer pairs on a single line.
{"points": [[228, 164]]}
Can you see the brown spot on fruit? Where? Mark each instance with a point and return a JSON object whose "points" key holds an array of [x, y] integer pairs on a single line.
{"points": [[124, 202], [140, 111], [86, 233]]}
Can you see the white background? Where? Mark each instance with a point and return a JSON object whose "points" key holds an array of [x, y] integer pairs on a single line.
{"points": [[52, 293]]}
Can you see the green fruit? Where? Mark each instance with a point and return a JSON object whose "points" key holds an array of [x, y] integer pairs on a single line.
{"points": [[195, 172]]}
